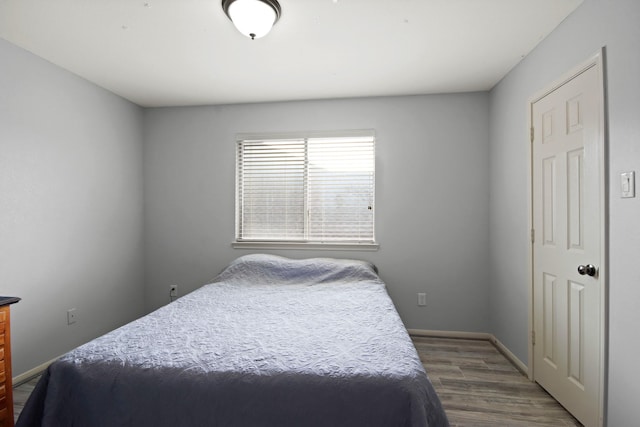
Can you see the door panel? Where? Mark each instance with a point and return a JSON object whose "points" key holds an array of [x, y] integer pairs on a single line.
{"points": [[567, 221]]}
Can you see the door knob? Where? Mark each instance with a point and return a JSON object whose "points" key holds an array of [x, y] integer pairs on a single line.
{"points": [[589, 270]]}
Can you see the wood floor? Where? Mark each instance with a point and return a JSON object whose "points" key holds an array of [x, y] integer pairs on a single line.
{"points": [[478, 387], [20, 395]]}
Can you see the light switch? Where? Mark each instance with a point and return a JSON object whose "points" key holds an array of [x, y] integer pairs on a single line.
{"points": [[628, 184]]}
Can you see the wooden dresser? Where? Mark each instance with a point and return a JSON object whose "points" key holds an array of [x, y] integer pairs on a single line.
{"points": [[6, 389]]}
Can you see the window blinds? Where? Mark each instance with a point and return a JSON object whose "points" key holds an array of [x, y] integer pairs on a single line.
{"points": [[316, 189]]}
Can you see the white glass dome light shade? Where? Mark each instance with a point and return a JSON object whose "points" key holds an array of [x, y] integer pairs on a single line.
{"points": [[253, 18]]}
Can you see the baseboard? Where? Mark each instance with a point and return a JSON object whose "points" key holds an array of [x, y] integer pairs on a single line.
{"points": [[32, 373], [450, 334], [522, 367]]}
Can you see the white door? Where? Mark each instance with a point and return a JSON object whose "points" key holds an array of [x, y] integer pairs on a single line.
{"points": [[568, 243]]}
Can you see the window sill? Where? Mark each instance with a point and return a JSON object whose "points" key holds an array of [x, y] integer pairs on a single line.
{"points": [[305, 245]]}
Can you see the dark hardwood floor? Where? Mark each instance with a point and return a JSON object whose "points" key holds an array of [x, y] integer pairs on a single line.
{"points": [[478, 386]]}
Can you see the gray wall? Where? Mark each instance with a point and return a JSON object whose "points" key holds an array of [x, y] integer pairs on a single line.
{"points": [[72, 169], [597, 23], [431, 199], [70, 207]]}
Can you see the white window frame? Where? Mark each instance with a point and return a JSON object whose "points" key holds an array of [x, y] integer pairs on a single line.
{"points": [[368, 245]]}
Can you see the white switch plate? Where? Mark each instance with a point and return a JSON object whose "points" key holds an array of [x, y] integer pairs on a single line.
{"points": [[628, 184]]}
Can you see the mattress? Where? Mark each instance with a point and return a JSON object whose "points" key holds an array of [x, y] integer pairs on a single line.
{"points": [[271, 341]]}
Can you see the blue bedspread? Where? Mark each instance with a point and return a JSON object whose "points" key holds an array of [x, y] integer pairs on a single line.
{"points": [[271, 342]]}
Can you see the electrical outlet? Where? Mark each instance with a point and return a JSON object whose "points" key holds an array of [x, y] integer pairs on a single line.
{"points": [[72, 316], [173, 291], [422, 299]]}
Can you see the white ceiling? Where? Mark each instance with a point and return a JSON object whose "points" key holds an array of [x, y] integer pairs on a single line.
{"points": [[187, 52]]}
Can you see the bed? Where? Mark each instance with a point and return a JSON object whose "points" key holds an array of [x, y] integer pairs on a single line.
{"points": [[271, 341]]}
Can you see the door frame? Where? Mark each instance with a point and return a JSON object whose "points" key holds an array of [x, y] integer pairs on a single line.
{"points": [[597, 60]]}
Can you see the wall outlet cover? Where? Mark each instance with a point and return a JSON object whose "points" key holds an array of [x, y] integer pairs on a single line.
{"points": [[422, 299], [72, 316]]}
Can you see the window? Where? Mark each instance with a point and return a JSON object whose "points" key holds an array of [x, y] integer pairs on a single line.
{"points": [[306, 190]]}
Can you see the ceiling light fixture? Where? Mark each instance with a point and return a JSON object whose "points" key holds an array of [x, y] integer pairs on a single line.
{"points": [[253, 18]]}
